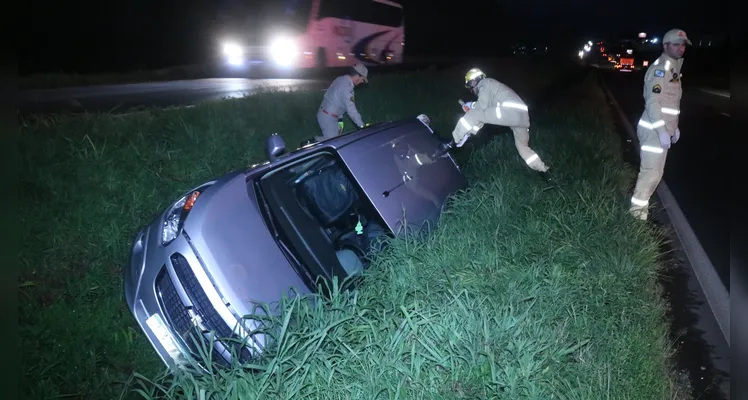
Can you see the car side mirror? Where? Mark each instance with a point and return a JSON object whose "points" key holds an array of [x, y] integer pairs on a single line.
{"points": [[275, 146], [426, 121]]}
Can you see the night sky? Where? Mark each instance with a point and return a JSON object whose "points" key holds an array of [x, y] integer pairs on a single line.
{"points": [[94, 36]]}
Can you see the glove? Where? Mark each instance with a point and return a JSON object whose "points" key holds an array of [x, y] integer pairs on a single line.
{"points": [[675, 138], [665, 140], [464, 139], [468, 106]]}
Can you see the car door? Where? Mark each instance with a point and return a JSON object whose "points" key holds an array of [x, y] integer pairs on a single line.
{"points": [[397, 170]]}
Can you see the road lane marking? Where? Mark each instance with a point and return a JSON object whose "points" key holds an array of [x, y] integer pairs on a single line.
{"points": [[716, 92]]}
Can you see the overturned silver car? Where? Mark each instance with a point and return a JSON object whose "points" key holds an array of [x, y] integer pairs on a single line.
{"points": [[253, 235]]}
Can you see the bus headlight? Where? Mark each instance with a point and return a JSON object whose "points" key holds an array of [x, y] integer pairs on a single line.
{"points": [[232, 50], [283, 51]]}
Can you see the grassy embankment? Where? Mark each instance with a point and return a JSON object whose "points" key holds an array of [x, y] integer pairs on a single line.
{"points": [[525, 291]]}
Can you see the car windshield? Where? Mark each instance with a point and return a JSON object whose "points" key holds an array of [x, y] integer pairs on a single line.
{"points": [[322, 216]]}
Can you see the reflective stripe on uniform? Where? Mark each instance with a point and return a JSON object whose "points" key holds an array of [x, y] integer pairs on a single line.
{"points": [[648, 125], [467, 126], [532, 158], [652, 149], [638, 202], [509, 104], [670, 111], [514, 105]]}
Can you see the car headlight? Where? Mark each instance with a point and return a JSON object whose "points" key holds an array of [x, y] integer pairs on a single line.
{"points": [[176, 214], [283, 51]]}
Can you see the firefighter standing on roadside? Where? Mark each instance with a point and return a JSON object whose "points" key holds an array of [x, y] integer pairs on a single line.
{"points": [[497, 104], [339, 100], [658, 126]]}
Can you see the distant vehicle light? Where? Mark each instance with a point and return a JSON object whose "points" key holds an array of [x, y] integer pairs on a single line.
{"points": [[645, 63]]}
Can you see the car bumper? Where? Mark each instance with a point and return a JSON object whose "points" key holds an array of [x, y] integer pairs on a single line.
{"points": [[143, 302], [170, 305]]}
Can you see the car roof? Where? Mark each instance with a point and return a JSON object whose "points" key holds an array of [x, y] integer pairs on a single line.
{"points": [[335, 144]]}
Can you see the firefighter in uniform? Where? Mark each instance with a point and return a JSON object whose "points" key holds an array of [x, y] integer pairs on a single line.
{"points": [[339, 100], [497, 104], [658, 126]]}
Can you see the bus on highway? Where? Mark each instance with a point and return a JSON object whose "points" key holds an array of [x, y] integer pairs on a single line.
{"points": [[293, 34]]}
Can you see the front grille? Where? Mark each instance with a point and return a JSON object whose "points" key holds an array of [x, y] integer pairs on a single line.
{"points": [[178, 314], [256, 52]]}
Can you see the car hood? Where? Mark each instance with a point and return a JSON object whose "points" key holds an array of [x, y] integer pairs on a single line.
{"points": [[229, 235]]}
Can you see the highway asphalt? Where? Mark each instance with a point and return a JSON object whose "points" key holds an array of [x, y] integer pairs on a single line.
{"points": [[696, 178], [153, 94]]}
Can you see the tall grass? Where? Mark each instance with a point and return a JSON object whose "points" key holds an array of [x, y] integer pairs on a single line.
{"points": [[525, 291]]}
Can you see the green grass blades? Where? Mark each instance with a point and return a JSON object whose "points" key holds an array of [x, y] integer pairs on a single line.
{"points": [[525, 291]]}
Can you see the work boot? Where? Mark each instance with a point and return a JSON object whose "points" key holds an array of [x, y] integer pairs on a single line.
{"points": [[640, 213], [546, 176]]}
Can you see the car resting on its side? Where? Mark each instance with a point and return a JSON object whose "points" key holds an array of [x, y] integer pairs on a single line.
{"points": [[254, 235]]}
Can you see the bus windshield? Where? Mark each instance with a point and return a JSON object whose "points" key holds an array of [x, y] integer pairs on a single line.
{"points": [[260, 18], [288, 15], [294, 13]]}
